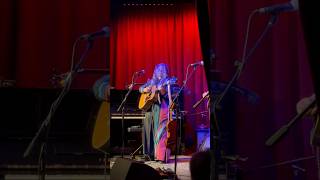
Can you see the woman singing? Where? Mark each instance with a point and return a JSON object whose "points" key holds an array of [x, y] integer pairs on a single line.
{"points": [[156, 118]]}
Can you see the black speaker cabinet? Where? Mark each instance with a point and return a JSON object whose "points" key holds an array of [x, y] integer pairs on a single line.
{"points": [[126, 169]]}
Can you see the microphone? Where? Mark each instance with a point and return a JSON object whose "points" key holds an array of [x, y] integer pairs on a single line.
{"points": [[200, 63], [293, 5], [104, 32], [140, 72]]}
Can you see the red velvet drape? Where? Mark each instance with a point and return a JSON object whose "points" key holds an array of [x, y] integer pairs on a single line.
{"points": [[37, 36], [279, 73], [143, 36]]}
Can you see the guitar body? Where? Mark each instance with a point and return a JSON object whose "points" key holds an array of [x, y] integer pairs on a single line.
{"points": [[101, 132], [147, 99]]}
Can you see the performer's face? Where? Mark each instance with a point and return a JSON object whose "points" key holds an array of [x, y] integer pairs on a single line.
{"points": [[159, 76], [161, 73]]}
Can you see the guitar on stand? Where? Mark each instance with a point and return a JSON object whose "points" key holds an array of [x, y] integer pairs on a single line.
{"points": [[101, 132]]}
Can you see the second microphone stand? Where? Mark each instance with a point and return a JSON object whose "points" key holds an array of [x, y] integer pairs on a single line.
{"points": [[214, 125], [178, 114], [122, 108], [44, 130]]}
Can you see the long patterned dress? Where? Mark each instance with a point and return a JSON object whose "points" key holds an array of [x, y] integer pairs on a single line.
{"points": [[155, 132], [160, 135]]}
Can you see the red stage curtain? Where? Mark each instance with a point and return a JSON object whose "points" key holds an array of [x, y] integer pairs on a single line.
{"points": [[143, 36], [278, 72], [37, 37]]}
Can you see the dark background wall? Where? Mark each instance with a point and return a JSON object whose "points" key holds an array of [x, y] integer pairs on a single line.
{"points": [[22, 112], [36, 39]]}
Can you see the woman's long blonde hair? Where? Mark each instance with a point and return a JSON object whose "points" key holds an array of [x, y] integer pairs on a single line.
{"points": [[160, 73]]}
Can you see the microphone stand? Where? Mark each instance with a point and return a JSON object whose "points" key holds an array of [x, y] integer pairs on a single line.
{"points": [[121, 107], [214, 127], [44, 130], [187, 77]]}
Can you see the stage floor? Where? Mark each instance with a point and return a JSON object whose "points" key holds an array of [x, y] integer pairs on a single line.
{"points": [[183, 171]]}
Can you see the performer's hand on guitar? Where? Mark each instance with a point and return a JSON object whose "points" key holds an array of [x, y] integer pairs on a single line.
{"points": [[304, 102]]}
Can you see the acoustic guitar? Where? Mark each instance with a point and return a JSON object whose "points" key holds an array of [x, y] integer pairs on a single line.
{"points": [[147, 99], [101, 131]]}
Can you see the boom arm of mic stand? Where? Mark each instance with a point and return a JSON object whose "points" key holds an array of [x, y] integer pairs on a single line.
{"points": [[284, 129], [124, 100], [200, 101], [130, 89]]}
